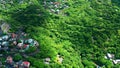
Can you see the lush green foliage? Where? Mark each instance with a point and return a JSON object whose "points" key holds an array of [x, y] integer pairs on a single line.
{"points": [[82, 34]]}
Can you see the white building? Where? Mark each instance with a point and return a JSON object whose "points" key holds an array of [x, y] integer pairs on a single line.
{"points": [[109, 56], [116, 61]]}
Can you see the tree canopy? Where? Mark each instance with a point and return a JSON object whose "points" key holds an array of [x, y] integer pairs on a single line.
{"points": [[82, 33]]}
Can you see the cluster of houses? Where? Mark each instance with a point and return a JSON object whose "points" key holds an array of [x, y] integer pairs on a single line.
{"points": [[11, 43], [111, 57], [10, 1], [14, 41], [17, 42], [3, 3], [9, 63], [55, 7]]}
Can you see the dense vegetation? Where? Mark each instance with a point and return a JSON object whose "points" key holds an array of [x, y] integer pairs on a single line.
{"points": [[82, 33]]}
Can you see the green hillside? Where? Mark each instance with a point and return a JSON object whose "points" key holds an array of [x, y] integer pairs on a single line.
{"points": [[82, 32]]}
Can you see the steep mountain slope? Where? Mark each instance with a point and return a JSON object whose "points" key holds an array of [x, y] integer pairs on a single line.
{"points": [[82, 33]]}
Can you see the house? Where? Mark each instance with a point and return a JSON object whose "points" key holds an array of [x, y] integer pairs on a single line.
{"points": [[11, 2], [20, 45], [110, 56], [98, 66], [30, 41], [26, 64], [52, 10], [13, 35], [51, 2], [14, 42], [5, 27], [1, 39], [5, 37], [59, 59], [5, 44], [1, 55], [9, 59], [57, 11], [116, 61], [26, 46], [22, 64], [1, 64], [57, 3], [47, 60], [36, 43], [9, 62]]}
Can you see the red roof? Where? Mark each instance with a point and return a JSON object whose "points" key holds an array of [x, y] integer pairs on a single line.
{"points": [[9, 59], [13, 35], [26, 63], [25, 45]]}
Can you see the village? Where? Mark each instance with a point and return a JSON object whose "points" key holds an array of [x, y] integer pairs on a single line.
{"points": [[55, 6], [19, 43], [12, 43]]}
